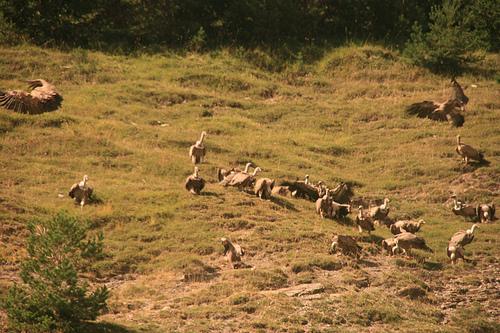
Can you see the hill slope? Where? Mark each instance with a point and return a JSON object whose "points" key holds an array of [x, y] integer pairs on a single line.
{"points": [[128, 123]]}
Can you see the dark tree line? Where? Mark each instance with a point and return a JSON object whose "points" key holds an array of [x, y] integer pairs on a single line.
{"points": [[135, 23]]}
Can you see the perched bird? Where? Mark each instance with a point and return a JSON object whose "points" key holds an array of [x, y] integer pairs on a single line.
{"points": [[81, 192], [447, 111], [347, 245], [364, 222], [380, 213], [263, 188], [406, 226], [455, 249], [194, 183], [243, 180], [42, 97], [197, 151], [486, 212], [407, 241], [457, 93], [233, 252], [324, 206], [467, 152], [339, 210]]}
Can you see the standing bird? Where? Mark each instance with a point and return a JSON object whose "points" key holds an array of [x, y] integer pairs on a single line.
{"points": [[464, 210], [364, 222], [457, 243], [81, 192], [467, 152], [457, 93], [197, 151], [42, 97], [194, 183], [324, 205], [233, 252], [486, 212], [263, 188], [407, 241], [406, 226], [380, 213]]}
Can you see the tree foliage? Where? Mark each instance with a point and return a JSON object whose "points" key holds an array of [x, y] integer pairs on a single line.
{"points": [[53, 296], [451, 43]]}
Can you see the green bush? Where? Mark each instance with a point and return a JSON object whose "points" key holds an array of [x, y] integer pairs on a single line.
{"points": [[53, 296], [451, 44]]}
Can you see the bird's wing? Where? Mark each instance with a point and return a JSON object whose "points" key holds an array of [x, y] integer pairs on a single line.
{"points": [[73, 190], [42, 98], [422, 109], [17, 100], [457, 93], [189, 183], [469, 151]]}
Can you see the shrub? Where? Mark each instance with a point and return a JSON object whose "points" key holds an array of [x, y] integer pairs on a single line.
{"points": [[53, 296], [450, 44]]}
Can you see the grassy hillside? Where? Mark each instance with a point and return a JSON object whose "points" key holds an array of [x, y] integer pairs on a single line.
{"points": [[339, 119]]}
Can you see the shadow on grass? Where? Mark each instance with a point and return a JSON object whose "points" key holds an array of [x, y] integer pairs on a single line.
{"points": [[432, 266], [284, 203], [210, 194], [346, 221], [105, 328], [371, 239]]}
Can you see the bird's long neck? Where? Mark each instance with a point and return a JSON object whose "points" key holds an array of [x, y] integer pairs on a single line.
{"points": [[458, 140], [196, 172], [455, 204], [360, 213], [255, 172], [471, 230], [247, 167], [384, 205], [202, 137]]}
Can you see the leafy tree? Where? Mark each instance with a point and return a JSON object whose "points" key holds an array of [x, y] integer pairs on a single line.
{"points": [[450, 44], [53, 296]]}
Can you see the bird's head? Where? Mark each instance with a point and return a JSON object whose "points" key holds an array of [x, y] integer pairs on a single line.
{"points": [[224, 241], [196, 171], [421, 221], [85, 178]]}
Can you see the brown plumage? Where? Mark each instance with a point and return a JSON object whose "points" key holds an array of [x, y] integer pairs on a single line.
{"points": [[407, 241], [388, 244], [347, 245], [455, 249], [457, 93], [281, 190], [194, 183], [406, 226], [380, 213], [233, 252], [447, 111], [302, 189], [81, 192], [243, 180], [324, 206], [486, 212], [225, 176], [42, 97], [465, 210], [263, 188], [339, 210], [197, 151], [364, 221], [467, 152]]}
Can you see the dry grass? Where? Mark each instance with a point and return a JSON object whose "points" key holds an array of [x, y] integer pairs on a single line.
{"points": [[339, 119]]}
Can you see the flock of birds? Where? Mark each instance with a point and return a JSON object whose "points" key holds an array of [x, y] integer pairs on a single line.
{"points": [[333, 203]]}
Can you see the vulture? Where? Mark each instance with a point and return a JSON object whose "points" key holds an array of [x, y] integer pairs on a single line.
{"points": [[342, 193], [195, 183], [281, 190], [233, 252], [224, 176], [324, 206], [263, 188], [406, 226], [464, 210], [321, 188], [457, 242], [42, 97], [380, 213], [340, 210], [81, 192], [388, 244], [364, 222], [467, 152], [407, 241], [197, 151], [457, 93], [243, 180], [300, 189], [486, 212], [446, 111], [347, 245]]}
